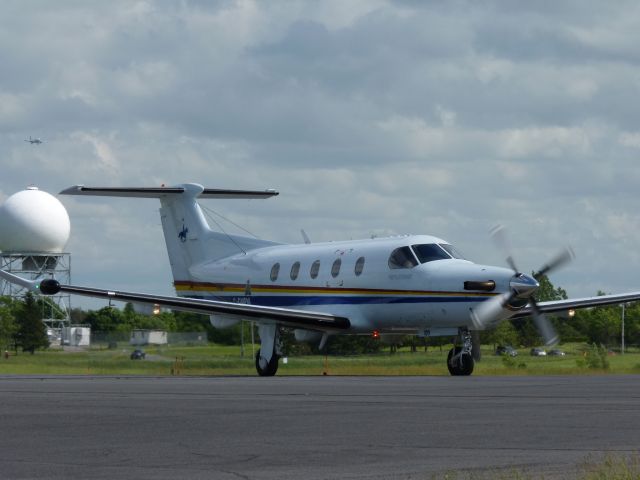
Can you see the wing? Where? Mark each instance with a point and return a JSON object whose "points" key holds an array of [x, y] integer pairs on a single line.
{"points": [[283, 316], [575, 303]]}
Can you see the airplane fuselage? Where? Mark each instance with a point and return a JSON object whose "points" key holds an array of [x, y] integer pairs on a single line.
{"points": [[357, 279]]}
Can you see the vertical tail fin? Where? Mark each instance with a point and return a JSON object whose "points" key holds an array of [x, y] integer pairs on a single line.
{"points": [[185, 230], [189, 239]]}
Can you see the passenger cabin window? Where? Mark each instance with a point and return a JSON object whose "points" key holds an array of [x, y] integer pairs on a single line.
{"points": [[295, 269], [335, 268], [429, 252], [402, 258], [359, 266], [274, 272], [315, 268]]}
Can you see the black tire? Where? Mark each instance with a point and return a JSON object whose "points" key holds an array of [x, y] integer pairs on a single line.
{"points": [[462, 366], [271, 368]]}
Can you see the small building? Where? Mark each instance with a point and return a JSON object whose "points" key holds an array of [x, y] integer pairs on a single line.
{"points": [[76, 336], [148, 337]]}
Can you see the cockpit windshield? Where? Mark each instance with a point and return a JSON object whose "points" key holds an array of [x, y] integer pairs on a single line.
{"points": [[430, 252], [405, 257], [451, 250]]}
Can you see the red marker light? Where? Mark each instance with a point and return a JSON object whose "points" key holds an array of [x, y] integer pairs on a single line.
{"points": [[375, 334]]}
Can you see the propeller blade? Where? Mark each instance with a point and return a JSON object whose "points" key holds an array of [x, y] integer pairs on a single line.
{"points": [[543, 324], [500, 238], [565, 256], [490, 310]]}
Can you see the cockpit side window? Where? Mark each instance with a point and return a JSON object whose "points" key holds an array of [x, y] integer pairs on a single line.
{"points": [[402, 258], [429, 252]]}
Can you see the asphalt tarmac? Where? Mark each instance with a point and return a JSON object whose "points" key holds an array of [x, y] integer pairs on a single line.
{"points": [[312, 427]]}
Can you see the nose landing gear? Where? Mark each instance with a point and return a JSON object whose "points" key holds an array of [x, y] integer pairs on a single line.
{"points": [[460, 359]]}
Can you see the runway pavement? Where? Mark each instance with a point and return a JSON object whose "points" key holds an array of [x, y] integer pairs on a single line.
{"points": [[312, 427]]}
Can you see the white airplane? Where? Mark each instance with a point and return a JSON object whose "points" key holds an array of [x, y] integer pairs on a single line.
{"points": [[414, 284], [32, 141]]}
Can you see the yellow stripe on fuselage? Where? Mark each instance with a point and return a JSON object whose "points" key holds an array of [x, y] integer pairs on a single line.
{"points": [[241, 289]]}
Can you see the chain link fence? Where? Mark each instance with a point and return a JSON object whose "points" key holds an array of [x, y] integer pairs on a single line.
{"points": [[105, 340]]}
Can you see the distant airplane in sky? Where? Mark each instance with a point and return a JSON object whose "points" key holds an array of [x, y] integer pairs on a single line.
{"points": [[411, 284], [32, 141]]}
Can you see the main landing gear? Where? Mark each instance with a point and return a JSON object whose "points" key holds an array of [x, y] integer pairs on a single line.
{"points": [[266, 368], [460, 359], [270, 351]]}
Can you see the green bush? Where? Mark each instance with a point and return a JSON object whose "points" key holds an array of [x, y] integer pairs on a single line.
{"points": [[509, 361], [595, 358]]}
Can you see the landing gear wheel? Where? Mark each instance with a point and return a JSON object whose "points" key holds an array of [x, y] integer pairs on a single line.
{"points": [[459, 364], [264, 368]]}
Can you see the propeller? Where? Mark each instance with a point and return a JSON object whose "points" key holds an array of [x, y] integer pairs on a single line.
{"points": [[522, 287]]}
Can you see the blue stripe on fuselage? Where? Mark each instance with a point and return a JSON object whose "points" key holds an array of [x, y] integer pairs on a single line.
{"points": [[295, 300]]}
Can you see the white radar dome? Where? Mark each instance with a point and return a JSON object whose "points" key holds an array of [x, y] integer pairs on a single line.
{"points": [[33, 221]]}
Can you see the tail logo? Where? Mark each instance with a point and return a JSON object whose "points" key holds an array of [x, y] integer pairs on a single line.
{"points": [[183, 234]]}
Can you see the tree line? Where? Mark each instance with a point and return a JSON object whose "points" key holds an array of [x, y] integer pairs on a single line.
{"points": [[21, 326]]}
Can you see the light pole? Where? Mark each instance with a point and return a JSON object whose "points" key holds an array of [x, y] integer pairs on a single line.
{"points": [[622, 336]]}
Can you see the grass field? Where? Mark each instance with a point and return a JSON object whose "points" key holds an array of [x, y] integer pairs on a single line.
{"points": [[226, 360]]}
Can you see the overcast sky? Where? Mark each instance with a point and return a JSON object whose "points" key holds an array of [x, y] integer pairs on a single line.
{"points": [[370, 118]]}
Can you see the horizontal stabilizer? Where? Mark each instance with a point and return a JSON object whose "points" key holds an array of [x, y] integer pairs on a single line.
{"points": [[160, 192]]}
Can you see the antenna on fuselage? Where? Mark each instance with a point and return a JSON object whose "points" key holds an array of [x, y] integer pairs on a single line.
{"points": [[305, 237]]}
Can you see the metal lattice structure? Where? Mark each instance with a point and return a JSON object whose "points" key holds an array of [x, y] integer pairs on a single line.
{"points": [[40, 265]]}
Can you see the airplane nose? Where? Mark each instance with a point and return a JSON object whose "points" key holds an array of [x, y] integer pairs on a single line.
{"points": [[523, 285]]}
